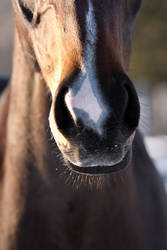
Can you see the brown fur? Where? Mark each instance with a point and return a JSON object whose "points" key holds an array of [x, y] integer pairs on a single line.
{"points": [[44, 205]]}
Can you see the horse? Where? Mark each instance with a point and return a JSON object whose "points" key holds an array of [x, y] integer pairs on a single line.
{"points": [[74, 170]]}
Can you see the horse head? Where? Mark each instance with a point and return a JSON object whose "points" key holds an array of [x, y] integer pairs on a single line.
{"points": [[82, 50]]}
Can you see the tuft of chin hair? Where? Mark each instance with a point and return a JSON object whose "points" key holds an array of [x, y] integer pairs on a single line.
{"points": [[89, 182], [92, 182]]}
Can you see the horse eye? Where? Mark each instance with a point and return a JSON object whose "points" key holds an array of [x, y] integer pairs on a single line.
{"points": [[26, 11]]}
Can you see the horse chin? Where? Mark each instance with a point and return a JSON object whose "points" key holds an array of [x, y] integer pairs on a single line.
{"points": [[101, 170]]}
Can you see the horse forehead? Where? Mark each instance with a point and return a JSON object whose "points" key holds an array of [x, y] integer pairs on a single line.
{"points": [[98, 4], [107, 13]]}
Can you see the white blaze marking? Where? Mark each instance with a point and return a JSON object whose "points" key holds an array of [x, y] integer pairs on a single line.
{"points": [[84, 100], [88, 97], [91, 38]]}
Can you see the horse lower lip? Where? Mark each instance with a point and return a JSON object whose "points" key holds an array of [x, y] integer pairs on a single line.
{"points": [[101, 170]]}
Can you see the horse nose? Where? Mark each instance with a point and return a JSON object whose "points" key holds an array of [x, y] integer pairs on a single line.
{"points": [[113, 106]]}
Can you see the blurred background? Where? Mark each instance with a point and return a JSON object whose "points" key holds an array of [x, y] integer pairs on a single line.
{"points": [[148, 71], [6, 37]]}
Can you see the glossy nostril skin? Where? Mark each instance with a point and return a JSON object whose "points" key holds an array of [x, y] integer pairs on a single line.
{"points": [[90, 106], [124, 102]]}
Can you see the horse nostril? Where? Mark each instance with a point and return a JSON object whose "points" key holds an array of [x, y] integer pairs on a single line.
{"points": [[63, 117], [132, 111]]}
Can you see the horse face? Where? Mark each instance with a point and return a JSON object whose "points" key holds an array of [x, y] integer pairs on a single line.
{"points": [[82, 49]]}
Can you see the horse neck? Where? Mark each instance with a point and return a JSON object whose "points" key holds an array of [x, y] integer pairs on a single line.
{"points": [[25, 146]]}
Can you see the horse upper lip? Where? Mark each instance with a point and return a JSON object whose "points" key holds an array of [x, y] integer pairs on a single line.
{"points": [[92, 164], [103, 159]]}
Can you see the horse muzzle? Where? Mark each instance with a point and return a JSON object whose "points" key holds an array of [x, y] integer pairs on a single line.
{"points": [[97, 123], [102, 163]]}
